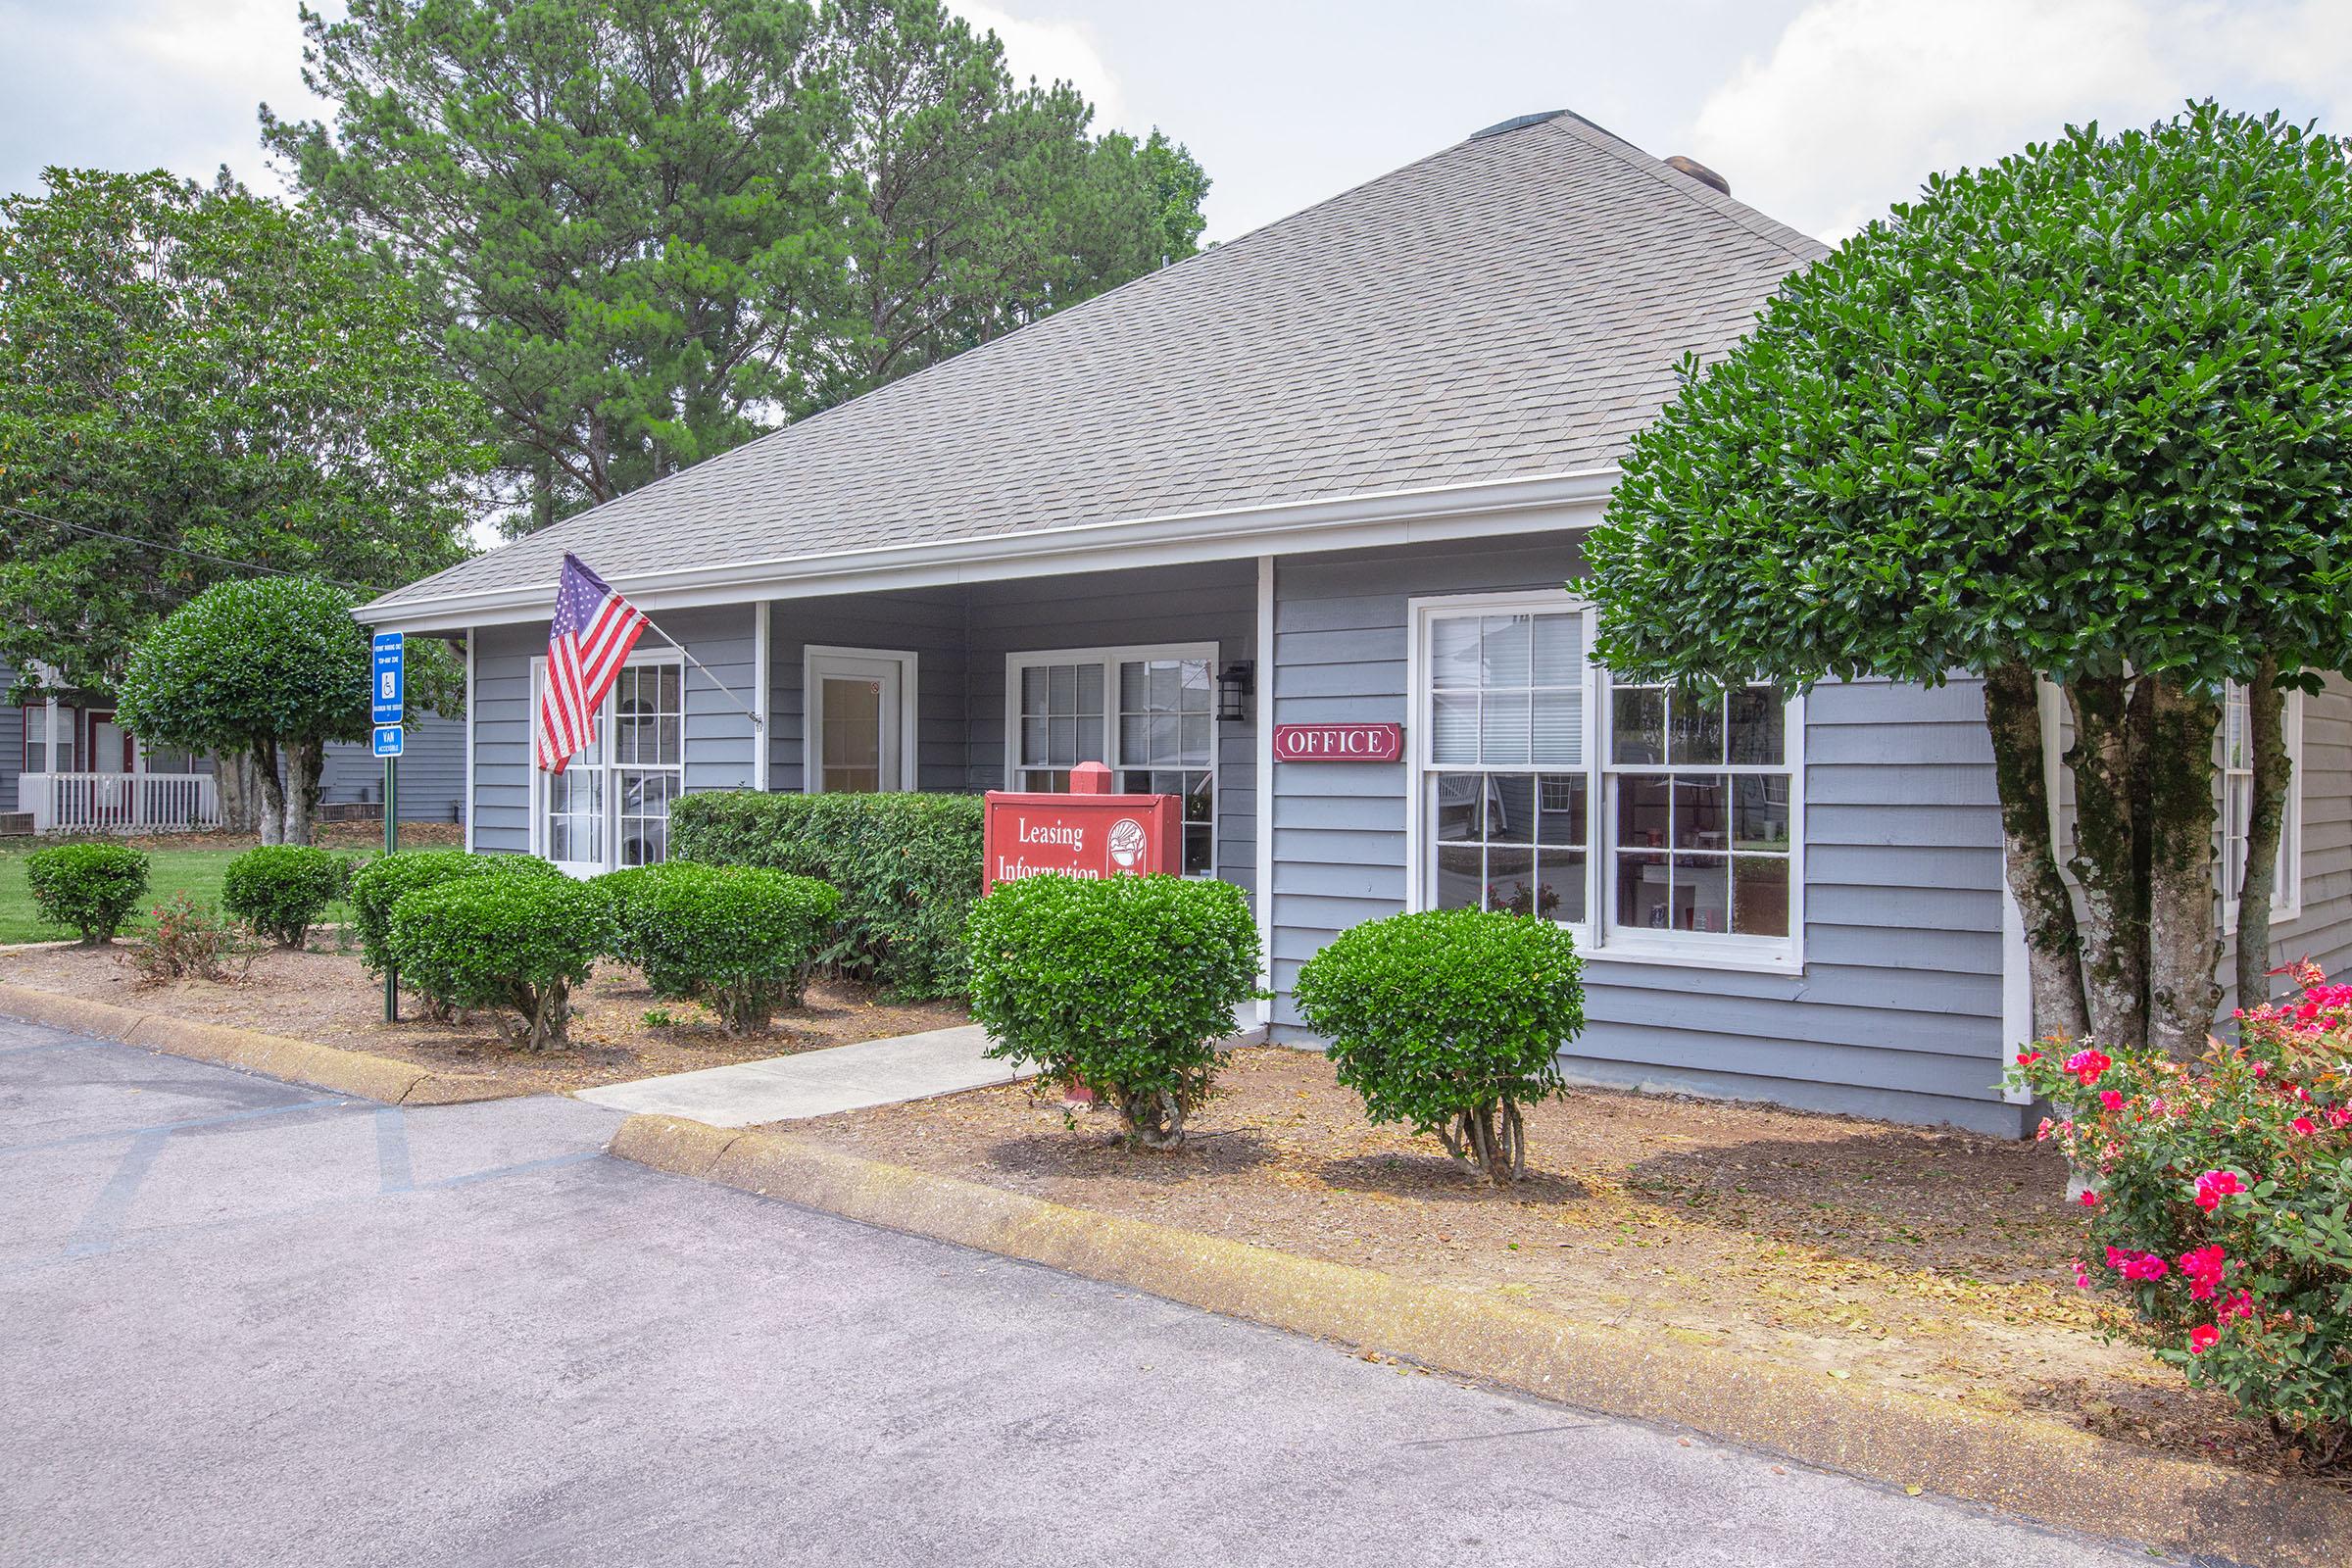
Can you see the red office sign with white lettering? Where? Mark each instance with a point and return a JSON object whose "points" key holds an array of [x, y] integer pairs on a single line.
{"points": [[1338, 743], [1086, 833]]}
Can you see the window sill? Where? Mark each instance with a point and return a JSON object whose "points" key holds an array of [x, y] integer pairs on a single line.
{"points": [[1736, 961]]}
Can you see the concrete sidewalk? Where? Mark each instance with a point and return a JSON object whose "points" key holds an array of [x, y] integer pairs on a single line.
{"points": [[818, 1083]]}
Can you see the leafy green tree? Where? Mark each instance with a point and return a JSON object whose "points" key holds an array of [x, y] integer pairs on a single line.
{"points": [[659, 228], [2083, 415], [274, 666], [208, 372]]}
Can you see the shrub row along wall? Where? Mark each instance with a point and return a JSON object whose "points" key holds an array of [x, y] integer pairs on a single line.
{"points": [[907, 867]]}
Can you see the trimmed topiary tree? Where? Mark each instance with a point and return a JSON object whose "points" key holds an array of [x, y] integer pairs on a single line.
{"points": [[1126, 985], [512, 943], [738, 939], [280, 890], [383, 881], [91, 887], [1450, 1021], [274, 666], [2083, 415]]}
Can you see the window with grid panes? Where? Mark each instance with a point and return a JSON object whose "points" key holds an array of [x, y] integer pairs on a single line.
{"points": [[2237, 806], [1699, 817], [1147, 715]]}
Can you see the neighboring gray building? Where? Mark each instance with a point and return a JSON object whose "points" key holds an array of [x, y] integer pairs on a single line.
{"points": [[1349, 459], [104, 779]]}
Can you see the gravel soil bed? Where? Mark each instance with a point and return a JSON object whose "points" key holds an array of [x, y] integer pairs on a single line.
{"points": [[330, 999], [1932, 1261]]}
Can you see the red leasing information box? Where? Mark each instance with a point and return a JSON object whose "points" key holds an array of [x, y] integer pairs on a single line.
{"points": [[1086, 833]]}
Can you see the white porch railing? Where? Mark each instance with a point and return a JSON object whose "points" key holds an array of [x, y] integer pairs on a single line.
{"points": [[119, 802]]}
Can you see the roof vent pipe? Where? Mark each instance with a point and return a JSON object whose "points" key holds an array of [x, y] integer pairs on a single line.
{"points": [[1700, 172]]}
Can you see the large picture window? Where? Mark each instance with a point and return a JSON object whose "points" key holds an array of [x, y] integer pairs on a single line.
{"points": [[2238, 808], [1652, 822], [609, 807], [1148, 713]]}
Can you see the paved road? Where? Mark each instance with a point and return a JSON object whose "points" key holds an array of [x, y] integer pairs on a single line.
{"points": [[243, 1323]]}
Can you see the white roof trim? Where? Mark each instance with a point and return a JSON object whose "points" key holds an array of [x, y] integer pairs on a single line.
{"points": [[1541, 504]]}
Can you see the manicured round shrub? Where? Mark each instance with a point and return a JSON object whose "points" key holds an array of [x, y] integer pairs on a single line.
{"points": [[2217, 1203], [280, 890], [383, 882], [621, 890], [91, 887], [1126, 985], [1450, 1023], [511, 943], [736, 938]]}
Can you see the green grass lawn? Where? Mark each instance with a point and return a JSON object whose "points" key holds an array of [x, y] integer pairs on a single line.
{"points": [[196, 873]]}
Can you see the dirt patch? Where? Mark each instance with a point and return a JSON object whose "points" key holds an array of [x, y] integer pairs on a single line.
{"points": [[330, 999], [1936, 1262]]}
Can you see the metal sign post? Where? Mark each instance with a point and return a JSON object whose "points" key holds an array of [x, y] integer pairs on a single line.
{"points": [[389, 702]]}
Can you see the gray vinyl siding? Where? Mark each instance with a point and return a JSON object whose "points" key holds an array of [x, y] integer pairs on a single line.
{"points": [[1213, 601], [927, 622], [1898, 1009], [501, 735], [12, 740], [432, 772]]}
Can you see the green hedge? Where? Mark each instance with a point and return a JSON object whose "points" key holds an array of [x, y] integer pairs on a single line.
{"points": [[385, 880], [280, 890], [510, 943], [1125, 984], [1450, 1021], [906, 865], [91, 887], [738, 938]]}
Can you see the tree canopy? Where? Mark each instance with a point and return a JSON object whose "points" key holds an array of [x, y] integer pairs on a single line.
{"points": [[2083, 415], [654, 230], [272, 666], [212, 373]]}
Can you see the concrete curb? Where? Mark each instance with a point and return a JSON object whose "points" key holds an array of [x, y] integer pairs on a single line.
{"points": [[346, 1072], [2021, 1464]]}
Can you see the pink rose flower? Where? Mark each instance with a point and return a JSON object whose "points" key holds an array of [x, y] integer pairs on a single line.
{"points": [[2304, 1126], [2087, 1065], [2216, 1185], [2240, 1306], [2111, 1099], [2089, 1199], [2204, 1336]]}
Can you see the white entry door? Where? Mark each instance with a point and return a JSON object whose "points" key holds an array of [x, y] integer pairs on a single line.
{"points": [[861, 722]]}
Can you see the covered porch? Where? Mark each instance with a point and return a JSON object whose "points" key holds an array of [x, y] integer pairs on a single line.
{"points": [[957, 688], [82, 772]]}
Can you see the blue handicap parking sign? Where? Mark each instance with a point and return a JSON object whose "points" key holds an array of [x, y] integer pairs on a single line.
{"points": [[389, 739], [390, 696]]}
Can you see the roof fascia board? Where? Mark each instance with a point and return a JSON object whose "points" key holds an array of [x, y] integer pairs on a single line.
{"points": [[1544, 504]]}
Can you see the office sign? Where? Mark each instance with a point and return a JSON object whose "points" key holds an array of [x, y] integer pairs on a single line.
{"points": [[1337, 743], [391, 694]]}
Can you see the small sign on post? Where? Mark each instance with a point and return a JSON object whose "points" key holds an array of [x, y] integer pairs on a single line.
{"points": [[388, 700], [1087, 833]]}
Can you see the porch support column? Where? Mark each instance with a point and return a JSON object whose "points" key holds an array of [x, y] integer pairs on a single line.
{"points": [[762, 679], [51, 719], [1262, 716]]}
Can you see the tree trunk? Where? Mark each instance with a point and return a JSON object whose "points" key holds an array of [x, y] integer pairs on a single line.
{"points": [[2053, 944], [273, 793], [2184, 941], [543, 492], [2274, 774], [306, 765], [239, 791], [2109, 763]]}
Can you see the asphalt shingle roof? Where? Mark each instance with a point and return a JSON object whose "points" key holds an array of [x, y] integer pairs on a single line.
{"points": [[1509, 307]]}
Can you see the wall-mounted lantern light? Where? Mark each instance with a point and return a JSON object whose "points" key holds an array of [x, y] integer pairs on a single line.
{"points": [[1235, 683]]}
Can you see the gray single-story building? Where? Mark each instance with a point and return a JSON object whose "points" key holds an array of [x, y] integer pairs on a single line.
{"points": [[1337, 473]]}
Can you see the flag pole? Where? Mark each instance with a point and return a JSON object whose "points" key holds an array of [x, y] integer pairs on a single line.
{"points": [[724, 689]]}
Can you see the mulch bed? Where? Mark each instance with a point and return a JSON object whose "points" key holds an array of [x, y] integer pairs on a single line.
{"points": [[1932, 1261], [330, 999]]}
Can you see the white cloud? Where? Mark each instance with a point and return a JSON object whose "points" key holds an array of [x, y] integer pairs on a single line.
{"points": [[1859, 100], [1055, 49]]}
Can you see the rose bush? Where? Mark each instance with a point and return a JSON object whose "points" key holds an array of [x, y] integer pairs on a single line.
{"points": [[2219, 1208]]}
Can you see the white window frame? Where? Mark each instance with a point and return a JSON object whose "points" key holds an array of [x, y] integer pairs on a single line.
{"points": [[1110, 658], [605, 721], [812, 715], [2287, 896], [1597, 938]]}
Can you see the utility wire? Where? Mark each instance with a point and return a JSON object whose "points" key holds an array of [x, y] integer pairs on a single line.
{"points": [[182, 550]]}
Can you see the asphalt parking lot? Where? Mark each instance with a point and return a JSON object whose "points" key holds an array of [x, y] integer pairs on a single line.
{"points": [[248, 1323]]}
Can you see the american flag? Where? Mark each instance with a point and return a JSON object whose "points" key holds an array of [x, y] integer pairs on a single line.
{"points": [[593, 631]]}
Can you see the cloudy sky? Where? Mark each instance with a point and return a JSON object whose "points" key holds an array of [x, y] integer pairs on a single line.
{"points": [[1819, 112]]}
